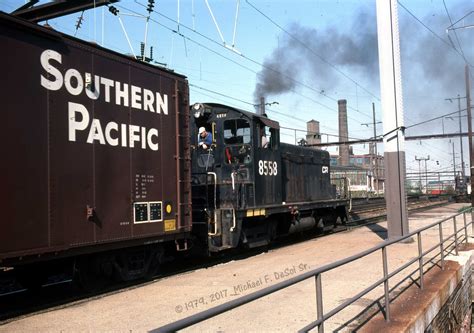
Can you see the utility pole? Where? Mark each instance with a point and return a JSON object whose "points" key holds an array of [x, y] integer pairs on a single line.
{"points": [[373, 150], [460, 139], [463, 173], [454, 162], [439, 180], [426, 171], [419, 173], [469, 129]]}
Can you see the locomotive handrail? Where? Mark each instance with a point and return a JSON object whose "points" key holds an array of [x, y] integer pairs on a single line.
{"points": [[234, 222], [215, 204], [349, 193], [215, 187], [452, 245], [214, 233], [232, 176]]}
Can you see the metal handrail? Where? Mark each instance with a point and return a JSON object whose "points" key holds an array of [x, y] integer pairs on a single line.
{"points": [[317, 274]]}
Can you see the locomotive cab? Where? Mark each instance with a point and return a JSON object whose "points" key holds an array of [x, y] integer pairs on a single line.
{"points": [[237, 172], [247, 186]]}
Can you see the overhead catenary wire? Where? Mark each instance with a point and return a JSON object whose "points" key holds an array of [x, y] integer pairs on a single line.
{"points": [[237, 63], [455, 33], [190, 39], [312, 51], [430, 30], [251, 104], [220, 94], [451, 27], [115, 12], [429, 147], [254, 71], [435, 118], [297, 82], [269, 110]]}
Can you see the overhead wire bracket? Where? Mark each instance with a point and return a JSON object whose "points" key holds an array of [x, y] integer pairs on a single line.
{"points": [[232, 48], [115, 12]]}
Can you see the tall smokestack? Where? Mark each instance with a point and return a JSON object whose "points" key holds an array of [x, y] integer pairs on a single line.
{"points": [[343, 133], [313, 136]]}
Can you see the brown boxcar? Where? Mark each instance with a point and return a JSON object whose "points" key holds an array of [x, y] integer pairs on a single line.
{"points": [[95, 152]]}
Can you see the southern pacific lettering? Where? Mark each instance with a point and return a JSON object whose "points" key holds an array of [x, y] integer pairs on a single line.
{"points": [[105, 90]]}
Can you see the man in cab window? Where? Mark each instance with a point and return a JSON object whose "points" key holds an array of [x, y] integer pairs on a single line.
{"points": [[205, 138]]}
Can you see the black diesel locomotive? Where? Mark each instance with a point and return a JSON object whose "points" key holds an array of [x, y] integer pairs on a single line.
{"points": [[249, 188]]}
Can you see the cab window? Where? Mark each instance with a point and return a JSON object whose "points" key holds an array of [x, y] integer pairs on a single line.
{"points": [[236, 131], [237, 138]]}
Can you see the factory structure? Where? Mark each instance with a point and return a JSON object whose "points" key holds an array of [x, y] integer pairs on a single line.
{"points": [[366, 172]]}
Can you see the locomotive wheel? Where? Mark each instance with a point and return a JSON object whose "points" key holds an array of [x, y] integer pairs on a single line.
{"points": [[319, 224]]}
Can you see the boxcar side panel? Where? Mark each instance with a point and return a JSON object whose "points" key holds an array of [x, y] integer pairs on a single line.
{"points": [[92, 150], [24, 165]]}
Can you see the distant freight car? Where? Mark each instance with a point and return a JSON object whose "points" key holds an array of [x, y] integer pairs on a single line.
{"points": [[95, 153]]}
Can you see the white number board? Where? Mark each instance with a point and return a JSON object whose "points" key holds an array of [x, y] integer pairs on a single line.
{"points": [[267, 168]]}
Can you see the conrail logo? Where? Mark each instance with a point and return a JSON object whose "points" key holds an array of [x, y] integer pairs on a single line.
{"points": [[110, 91]]}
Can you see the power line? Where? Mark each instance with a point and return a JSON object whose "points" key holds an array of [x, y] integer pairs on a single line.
{"points": [[321, 133], [424, 25], [430, 30], [455, 33], [430, 147], [267, 109], [245, 57], [220, 94], [245, 102], [432, 119], [312, 51], [426, 144], [248, 103], [219, 54], [270, 110]]}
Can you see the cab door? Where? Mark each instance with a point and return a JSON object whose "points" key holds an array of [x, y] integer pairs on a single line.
{"points": [[267, 167]]}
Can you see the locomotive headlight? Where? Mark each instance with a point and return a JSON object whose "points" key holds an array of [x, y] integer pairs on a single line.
{"points": [[168, 208], [198, 110]]}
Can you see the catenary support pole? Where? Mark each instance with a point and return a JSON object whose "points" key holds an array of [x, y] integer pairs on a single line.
{"points": [[469, 129], [393, 123], [460, 140], [376, 167], [454, 163]]}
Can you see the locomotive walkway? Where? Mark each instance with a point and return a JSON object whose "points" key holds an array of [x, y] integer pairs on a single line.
{"points": [[153, 305]]}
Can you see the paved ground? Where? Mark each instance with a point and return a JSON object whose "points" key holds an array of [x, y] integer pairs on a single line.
{"points": [[172, 298]]}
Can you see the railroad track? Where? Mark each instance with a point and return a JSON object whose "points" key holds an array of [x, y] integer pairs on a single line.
{"points": [[362, 205], [363, 217], [16, 303]]}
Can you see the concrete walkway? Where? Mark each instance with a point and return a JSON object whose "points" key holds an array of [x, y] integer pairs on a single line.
{"points": [[173, 298]]}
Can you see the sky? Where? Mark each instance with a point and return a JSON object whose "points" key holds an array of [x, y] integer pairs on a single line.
{"points": [[304, 56]]}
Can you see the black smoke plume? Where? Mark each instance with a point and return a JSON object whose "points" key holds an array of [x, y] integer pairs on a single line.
{"points": [[313, 53]]}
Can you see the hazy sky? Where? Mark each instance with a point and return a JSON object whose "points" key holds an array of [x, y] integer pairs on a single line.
{"points": [[305, 55]]}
